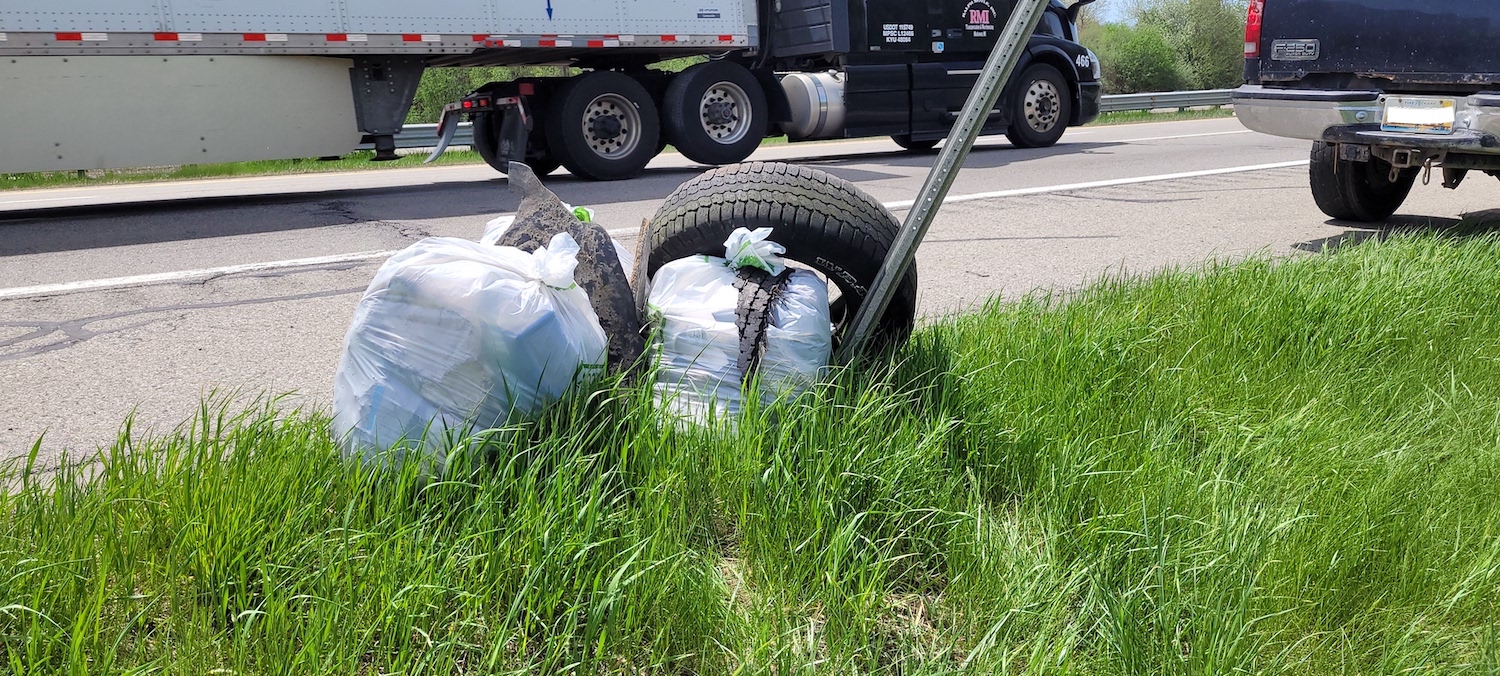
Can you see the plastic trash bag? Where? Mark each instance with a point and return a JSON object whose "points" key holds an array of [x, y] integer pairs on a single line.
{"points": [[453, 336], [694, 303]]}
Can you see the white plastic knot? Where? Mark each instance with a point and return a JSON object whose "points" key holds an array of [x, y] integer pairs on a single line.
{"points": [[556, 261], [746, 248]]}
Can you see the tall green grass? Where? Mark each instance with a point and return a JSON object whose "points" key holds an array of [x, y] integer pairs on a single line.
{"points": [[1266, 467]]}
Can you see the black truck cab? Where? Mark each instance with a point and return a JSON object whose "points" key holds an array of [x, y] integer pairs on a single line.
{"points": [[904, 69]]}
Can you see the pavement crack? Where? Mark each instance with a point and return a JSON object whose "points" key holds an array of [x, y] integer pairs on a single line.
{"points": [[1125, 200], [68, 333], [341, 210]]}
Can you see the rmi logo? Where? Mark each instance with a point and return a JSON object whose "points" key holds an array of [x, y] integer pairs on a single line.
{"points": [[979, 17]]}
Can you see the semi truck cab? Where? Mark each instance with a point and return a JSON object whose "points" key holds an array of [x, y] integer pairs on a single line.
{"points": [[824, 69]]}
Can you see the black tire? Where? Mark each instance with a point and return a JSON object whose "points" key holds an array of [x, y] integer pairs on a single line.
{"points": [[730, 130], [487, 144], [1041, 107], [911, 146], [1356, 191], [597, 155], [824, 222]]}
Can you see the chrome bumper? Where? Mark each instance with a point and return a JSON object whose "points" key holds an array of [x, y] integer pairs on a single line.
{"points": [[1354, 117]]}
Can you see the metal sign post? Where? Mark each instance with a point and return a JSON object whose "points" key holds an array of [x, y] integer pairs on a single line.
{"points": [[976, 110]]}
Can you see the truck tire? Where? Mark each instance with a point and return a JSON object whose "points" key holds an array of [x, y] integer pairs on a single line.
{"points": [[1356, 191], [906, 142], [715, 112], [1041, 108], [603, 126], [487, 144], [824, 222]]}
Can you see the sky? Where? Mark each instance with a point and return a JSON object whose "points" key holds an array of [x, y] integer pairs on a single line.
{"points": [[1112, 10]]}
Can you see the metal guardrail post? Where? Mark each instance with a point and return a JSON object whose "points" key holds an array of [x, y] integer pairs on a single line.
{"points": [[992, 79]]}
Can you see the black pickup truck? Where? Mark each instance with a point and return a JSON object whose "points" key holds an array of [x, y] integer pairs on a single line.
{"points": [[1385, 89]]}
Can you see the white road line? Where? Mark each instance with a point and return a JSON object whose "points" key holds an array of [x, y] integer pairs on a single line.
{"points": [[338, 174], [1068, 187], [206, 273], [49, 199], [185, 275], [1164, 138]]}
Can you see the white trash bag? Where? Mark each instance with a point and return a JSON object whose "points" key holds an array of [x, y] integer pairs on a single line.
{"points": [[694, 304], [454, 336]]}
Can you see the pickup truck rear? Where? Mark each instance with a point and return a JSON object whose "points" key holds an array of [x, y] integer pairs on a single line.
{"points": [[1384, 89]]}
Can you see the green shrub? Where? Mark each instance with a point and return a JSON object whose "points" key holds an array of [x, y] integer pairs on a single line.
{"points": [[1207, 37], [1136, 59], [441, 86]]}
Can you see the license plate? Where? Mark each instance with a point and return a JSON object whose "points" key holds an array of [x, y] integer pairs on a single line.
{"points": [[1418, 115]]}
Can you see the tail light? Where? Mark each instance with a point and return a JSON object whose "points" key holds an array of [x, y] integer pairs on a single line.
{"points": [[1252, 28]]}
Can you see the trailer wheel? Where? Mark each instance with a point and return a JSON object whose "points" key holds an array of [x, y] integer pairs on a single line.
{"points": [[603, 126], [487, 144], [1042, 107], [715, 112], [825, 223], [911, 146], [1356, 191]]}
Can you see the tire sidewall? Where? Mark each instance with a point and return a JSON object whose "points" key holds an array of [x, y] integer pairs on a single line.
{"points": [[565, 138], [682, 121], [715, 203], [1021, 133], [1355, 191], [915, 147], [487, 129]]}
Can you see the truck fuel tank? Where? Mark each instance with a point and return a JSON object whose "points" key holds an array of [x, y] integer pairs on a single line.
{"points": [[817, 103]]}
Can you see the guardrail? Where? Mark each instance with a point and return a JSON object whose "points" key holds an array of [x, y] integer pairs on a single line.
{"points": [[425, 135], [1119, 103]]}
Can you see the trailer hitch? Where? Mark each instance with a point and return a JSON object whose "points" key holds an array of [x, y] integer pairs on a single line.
{"points": [[515, 126]]}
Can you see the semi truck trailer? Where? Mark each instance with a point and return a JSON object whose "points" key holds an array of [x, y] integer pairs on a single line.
{"points": [[99, 84]]}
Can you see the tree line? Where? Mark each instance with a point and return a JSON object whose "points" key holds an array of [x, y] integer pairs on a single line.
{"points": [[1169, 45]]}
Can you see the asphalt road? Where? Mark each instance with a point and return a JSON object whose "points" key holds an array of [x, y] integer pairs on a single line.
{"points": [[146, 298]]}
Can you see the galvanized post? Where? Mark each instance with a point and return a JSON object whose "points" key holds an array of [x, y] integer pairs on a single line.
{"points": [[976, 110]]}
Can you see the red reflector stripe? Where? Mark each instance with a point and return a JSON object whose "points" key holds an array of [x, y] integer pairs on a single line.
{"points": [[596, 43], [72, 37], [254, 37], [337, 37], [411, 38], [669, 38], [611, 37], [546, 43], [481, 38], [726, 38], [169, 37]]}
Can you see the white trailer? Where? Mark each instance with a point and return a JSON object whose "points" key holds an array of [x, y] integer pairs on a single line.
{"points": [[93, 84]]}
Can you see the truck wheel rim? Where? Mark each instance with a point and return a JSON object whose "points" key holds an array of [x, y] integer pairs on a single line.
{"points": [[724, 112], [1042, 104], [611, 126]]}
